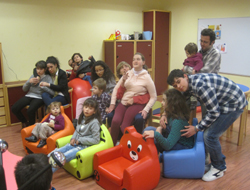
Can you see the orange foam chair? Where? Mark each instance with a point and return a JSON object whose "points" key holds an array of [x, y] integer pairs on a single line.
{"points": [[131, 165], [31, 147]]}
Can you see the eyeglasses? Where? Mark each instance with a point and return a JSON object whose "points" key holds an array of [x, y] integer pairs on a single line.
{"points": [[204, 42], [98, 71]]}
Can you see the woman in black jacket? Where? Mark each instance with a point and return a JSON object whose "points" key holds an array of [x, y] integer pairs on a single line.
{"points": [[59, 85]]}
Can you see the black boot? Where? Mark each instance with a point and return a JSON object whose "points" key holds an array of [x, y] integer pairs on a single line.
{"points": [[26, 124], [32, 138], [41, 143]]}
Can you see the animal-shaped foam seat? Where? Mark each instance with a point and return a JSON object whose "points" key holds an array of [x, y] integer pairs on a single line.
{"points": [[131, 165]]}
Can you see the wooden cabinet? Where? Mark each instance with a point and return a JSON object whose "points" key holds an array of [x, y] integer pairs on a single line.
{"points": [[15, 92], [159, 23], [156, 51], [3, 95], [116, 51]]}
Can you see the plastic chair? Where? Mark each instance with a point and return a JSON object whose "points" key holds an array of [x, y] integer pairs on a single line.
{"points": [[31, 147], [132, 165], [154, 117], [186, 163], [82, 166], [69, 112]]}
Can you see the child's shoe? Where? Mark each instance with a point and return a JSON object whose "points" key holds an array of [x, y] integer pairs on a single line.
{"points": [[32, 138], [41, 143], [212, 174]]}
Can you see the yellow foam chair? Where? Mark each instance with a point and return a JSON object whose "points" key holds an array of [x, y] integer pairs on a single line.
{"points": [[82, 166]]}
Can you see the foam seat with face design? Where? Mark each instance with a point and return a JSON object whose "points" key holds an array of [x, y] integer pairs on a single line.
{"points": [[133, 164]]}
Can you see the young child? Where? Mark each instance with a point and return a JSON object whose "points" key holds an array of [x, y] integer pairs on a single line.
{"points": [[53, 123], [87, 132], [194, 59], [122, 68], [169, 137], [102, 97], [81, 68], [33, 98], [101, 70]]}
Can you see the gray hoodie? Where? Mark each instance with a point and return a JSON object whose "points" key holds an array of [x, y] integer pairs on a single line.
{"points": [[87, 134], [35, 91]]}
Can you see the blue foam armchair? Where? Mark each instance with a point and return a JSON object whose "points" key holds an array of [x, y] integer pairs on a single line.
{"points": [[186, 163]]}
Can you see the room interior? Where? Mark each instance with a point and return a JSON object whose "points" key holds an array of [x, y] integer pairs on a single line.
{"points": [[33, 30]]}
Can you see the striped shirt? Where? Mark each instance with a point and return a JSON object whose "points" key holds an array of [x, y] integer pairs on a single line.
{"points": [[219, 94]]}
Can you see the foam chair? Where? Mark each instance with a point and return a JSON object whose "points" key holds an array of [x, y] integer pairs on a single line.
{"points": [[131, 165], [31, 147], [82, 166], [186, 163], [81, 89]]}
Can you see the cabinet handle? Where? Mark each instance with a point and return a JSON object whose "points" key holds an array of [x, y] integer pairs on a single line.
{"points": [[117, 57], [119, 45]]}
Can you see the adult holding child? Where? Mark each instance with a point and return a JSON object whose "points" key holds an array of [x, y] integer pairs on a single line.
{"points": [[59, 83], [210, 56], [137, 81], [33, 98]]}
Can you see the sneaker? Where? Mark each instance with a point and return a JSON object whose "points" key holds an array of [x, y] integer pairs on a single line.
{"points": [[208, 166], [212, 174]]}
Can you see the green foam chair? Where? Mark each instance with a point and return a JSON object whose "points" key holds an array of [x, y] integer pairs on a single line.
{"points": [[82, 166]]}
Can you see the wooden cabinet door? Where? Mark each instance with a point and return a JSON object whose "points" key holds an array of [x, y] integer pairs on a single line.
{"points": [[124, 52], [161, 51], [15, 93], [146, 49], [109, 54]]}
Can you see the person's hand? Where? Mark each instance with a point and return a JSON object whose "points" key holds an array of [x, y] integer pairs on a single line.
{"points": [[44, 84], [163, 121], [72, 142], [52, 125], [90, 57], [148, 134], [130, 102], [107, 110], [75, 67], [159, 129], [189, 131], [193, 72], [77, 142], [35, 80], [81, 75], [111, 108], [143, 114], [124, 78]]}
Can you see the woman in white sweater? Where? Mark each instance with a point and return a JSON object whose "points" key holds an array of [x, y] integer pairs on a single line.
{"points": [[137, 81]]}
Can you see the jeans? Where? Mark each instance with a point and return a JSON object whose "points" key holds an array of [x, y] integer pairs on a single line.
{"points": [[212, 134], [87, 78], [47, 98], [69, 152], [165, 133]]}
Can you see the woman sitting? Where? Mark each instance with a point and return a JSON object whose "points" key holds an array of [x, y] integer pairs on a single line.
{"points": [[59, 83], [137, 81]]}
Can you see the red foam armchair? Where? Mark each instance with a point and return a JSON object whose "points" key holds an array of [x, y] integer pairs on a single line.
{"points": [[131, 165], [31, 147]]}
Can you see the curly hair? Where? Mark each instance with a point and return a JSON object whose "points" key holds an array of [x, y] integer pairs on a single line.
{"points": [[176, 107], [107, 75]]}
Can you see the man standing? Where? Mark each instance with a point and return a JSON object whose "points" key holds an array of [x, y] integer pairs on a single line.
{"points": [[224, 102], [210, 56]]}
